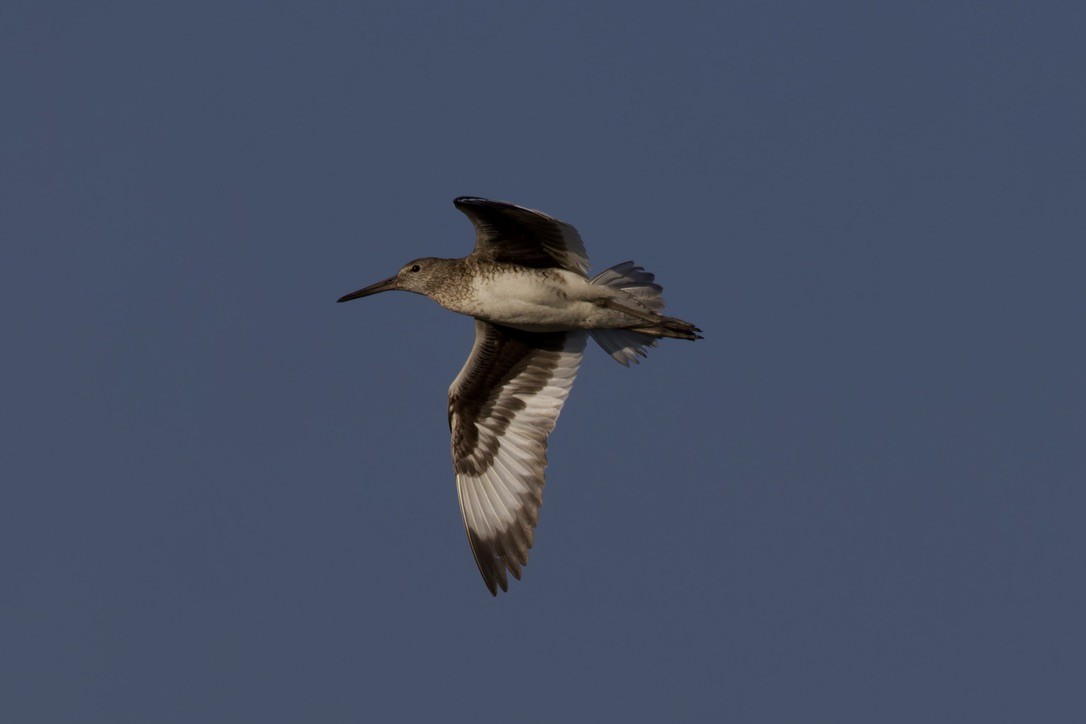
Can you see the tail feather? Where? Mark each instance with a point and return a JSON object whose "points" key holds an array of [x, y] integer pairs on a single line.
{"points": [[635, 281], [671, 327], [626, 345]]}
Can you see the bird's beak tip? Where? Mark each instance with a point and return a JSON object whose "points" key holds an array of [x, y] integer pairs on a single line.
{"points": [[349, 297], [384, 286]]}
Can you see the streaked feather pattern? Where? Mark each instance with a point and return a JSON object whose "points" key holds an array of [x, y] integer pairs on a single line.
{"points": [[502, 407]]}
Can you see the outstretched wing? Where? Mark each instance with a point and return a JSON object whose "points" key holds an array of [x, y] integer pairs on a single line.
{"points": [[502, 407], [516, 235]]}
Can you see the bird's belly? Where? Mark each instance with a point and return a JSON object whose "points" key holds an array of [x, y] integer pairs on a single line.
{"points": [[534, 303], [535, 317]]}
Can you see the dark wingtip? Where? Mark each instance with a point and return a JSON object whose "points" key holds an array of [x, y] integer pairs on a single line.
{"points": [[493, 584], [473, 201]]}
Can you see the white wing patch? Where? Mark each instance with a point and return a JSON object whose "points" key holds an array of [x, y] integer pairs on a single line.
{"points": [[503, 406]]}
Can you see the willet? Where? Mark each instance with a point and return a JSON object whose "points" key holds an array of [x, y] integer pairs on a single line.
{"points": [[526, 285]]}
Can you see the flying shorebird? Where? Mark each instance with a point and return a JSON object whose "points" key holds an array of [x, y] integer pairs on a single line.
{"points": [[526, 285]]}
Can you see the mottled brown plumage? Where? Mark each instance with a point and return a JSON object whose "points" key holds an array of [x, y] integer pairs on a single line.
{"points": [[526, 285]]}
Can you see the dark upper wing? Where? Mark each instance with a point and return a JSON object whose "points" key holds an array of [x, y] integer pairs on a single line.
{"points": [[502, 407], [516, 235]]}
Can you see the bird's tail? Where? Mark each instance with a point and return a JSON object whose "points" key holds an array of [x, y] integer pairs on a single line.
{"points": [[626, 344]]}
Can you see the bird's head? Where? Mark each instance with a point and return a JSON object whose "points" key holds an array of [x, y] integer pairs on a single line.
{"points": [[417, 275]]}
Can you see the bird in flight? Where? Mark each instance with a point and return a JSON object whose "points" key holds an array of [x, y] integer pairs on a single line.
{"points": [[526, 284]]}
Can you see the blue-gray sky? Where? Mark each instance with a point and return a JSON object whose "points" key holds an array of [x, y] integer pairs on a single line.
{"points": [[226, 498]]}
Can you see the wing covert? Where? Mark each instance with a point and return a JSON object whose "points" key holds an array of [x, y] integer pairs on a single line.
{"points": [[514, 234], [502, 407]]}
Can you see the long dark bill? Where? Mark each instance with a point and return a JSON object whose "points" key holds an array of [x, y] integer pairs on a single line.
{"points": [[383, 286]]}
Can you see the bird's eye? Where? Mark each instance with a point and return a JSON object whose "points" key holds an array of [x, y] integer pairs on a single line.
{"points": [[415, 267]]}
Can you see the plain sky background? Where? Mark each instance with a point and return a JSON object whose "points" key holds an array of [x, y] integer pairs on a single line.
{"points": [[860, 499]]}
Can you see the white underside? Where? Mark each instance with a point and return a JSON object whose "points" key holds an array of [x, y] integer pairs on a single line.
{"points": [[559, 301]]}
